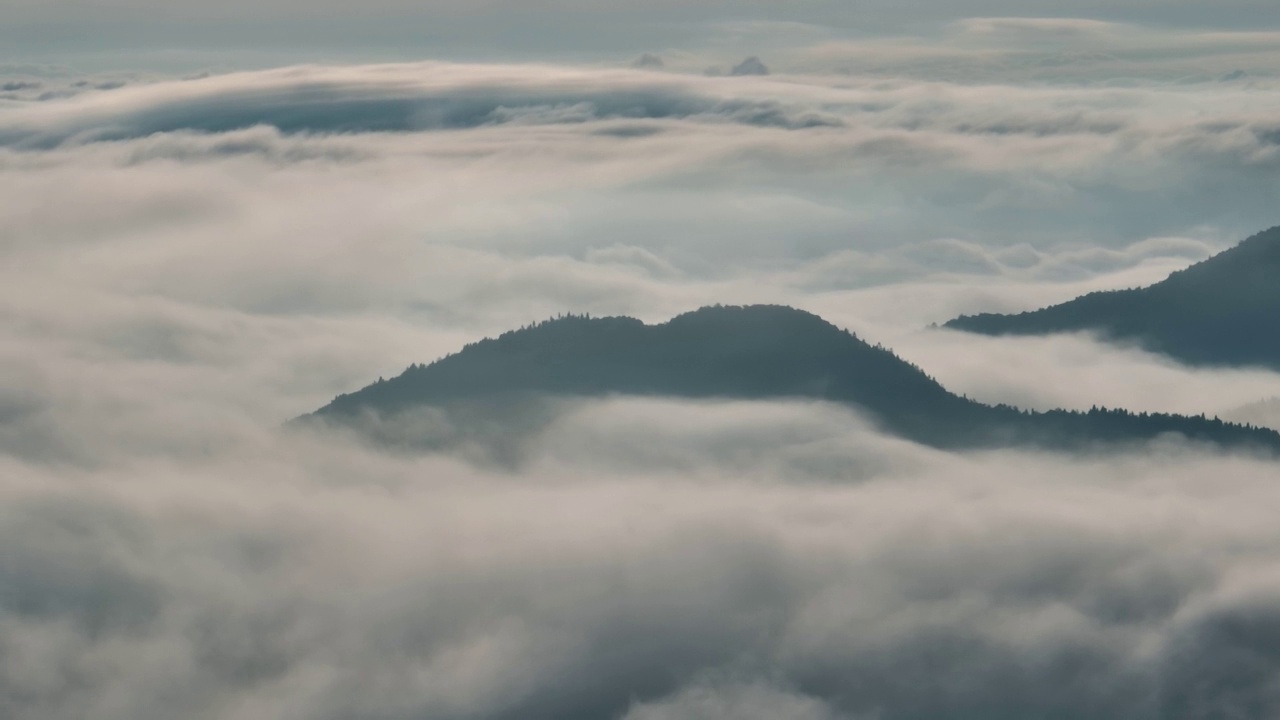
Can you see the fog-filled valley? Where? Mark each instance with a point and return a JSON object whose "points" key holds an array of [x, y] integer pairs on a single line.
{"points": [[648, 559], [190, 260]]}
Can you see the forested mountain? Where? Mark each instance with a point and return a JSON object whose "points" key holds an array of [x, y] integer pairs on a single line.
{"points": [[1223, 311], [758, 352]]}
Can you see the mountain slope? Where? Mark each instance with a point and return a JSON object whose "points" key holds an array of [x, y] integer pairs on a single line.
{"points": [[759, 352], [1223, 311]]}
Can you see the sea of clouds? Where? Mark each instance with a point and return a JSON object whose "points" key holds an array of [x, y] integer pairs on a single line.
{"points": [[185, 264]]}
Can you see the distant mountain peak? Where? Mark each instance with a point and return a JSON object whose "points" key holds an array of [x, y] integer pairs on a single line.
{"points": [[1221, 311], [750, 66], [648, 61]]}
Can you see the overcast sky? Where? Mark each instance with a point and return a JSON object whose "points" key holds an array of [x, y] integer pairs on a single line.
{"points": [[243, 32]]}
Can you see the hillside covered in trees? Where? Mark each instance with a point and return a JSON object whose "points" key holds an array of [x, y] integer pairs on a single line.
{"points": [[758, 352], [1223, 311]]}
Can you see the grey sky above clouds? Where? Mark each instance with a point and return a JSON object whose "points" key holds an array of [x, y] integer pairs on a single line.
{"points": [[190, 258], [240, 33]]}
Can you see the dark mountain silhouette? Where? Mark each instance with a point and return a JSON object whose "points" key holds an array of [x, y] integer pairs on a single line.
{"points": [[750, 66], [1223, 311], [759, 352], [648, 61]]}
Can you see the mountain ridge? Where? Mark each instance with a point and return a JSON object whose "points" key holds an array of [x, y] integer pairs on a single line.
{"points": [[1223, 311], [756, 353]]}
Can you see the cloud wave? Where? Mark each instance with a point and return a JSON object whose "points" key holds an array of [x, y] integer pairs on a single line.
{"points": [[187, 264], [322, 581]]}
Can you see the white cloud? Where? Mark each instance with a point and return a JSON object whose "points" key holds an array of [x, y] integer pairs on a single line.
{"points": [[174, 286], [318, 580], [204, 250]]}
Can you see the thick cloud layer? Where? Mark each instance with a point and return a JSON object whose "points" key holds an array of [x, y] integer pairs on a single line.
{"points": [[136, 233], [188, 263], [652, 560], [861, 158]]}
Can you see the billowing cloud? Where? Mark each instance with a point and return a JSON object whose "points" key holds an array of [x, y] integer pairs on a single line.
{"points": [[908, 204], [189, 263], [745, 570]]}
